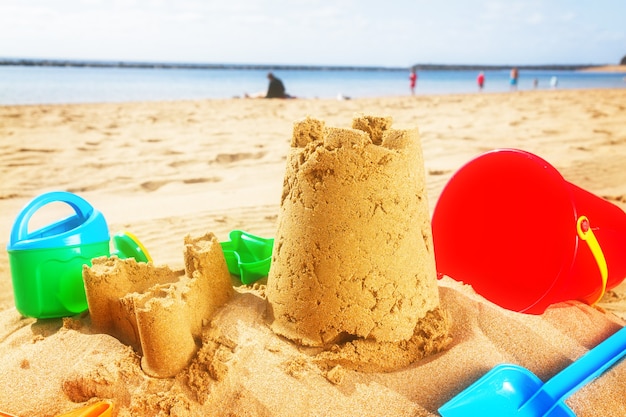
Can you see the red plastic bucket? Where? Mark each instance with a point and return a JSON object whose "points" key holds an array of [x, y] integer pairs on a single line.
{"points": [[511, 226]]}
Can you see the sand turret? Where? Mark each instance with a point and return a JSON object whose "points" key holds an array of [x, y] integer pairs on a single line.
{"points": [[157, 311], [353, 255]]}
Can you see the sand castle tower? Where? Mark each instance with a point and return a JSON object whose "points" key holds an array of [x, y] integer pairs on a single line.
{"points": [[353, 255]]}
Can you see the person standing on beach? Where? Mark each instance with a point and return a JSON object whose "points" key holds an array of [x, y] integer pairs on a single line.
{"points": [[480, 80], [276, 89], [413, 80], [513, 79]]}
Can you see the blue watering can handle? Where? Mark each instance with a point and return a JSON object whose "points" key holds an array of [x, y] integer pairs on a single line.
{"points": [[20, 227]]}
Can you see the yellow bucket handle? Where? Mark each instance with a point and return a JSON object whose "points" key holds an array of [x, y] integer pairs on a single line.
{"points": [[585, 233]]}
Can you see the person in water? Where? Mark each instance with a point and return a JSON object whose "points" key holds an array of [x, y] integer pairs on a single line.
{"points": [[412, 80], [554, 82], [513, 78], [480, 80]]}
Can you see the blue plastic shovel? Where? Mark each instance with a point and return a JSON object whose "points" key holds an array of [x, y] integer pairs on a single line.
{"points": [[511, 390]]}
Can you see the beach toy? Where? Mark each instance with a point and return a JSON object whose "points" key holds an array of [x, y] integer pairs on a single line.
{"points": [[99, 409], [127, 245], [511, 226], [46, 264], [511, 390], [247, 255]]}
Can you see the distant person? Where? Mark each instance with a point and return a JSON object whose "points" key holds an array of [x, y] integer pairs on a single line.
{"points": [[535, 83], [554, 82], [276, 88], [513, 78], [480, 80], [413, 80]]}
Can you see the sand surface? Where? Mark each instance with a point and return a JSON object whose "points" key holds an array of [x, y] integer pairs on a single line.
{"points": [[607, 68], [164, 170]]}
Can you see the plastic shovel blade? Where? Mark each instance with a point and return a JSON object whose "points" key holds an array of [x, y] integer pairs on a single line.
{"points": [[99, 409], [501, 392]]}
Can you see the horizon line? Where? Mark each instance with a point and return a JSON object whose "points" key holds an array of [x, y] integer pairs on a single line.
{"points": [[191, 65]]}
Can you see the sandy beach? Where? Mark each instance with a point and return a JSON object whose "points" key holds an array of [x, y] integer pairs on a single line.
{"points": [[164, 170], [607, 68]]}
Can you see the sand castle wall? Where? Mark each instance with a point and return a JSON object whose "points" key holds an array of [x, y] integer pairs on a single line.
{"points": [[353, 254], [159, 312]]}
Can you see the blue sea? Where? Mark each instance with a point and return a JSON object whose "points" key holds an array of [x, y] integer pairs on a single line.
{"points": [[50, 84]]}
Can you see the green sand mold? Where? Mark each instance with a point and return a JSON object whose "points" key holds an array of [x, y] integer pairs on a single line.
{"points": [[247, 255]]}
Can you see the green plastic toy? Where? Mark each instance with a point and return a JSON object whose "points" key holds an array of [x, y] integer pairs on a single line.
{"points": [[247, 255], [47, 263]]}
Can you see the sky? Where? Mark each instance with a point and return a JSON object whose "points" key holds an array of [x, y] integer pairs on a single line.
{"points": [[390, 33]]}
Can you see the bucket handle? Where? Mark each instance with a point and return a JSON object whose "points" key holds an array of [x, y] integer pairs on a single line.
{"points": [[82, 208], [585, 233]]}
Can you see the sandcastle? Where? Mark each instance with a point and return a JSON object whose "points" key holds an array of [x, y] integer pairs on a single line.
{"points": [[157, 311], [353, 255]]}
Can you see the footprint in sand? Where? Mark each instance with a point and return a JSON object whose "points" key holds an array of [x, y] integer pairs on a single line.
{"points": [[602, 131], [549, 132], [515, 123], [598, 114], [36, 150], [181, 163], [438, 171], [201, 180], [618, 198], [225, 158], [153, 185]]}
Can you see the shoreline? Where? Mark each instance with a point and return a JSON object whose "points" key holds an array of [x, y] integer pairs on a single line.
{"points": [[425, 96]]}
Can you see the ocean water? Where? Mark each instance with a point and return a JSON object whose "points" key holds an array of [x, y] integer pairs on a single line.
{"points": [[47, 85]]}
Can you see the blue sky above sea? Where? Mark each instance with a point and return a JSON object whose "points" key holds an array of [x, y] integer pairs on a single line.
{"points": [[317, 32]]}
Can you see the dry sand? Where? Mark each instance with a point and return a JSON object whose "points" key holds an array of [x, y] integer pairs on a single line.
{"points": [[167, 169], [606, 68]]}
